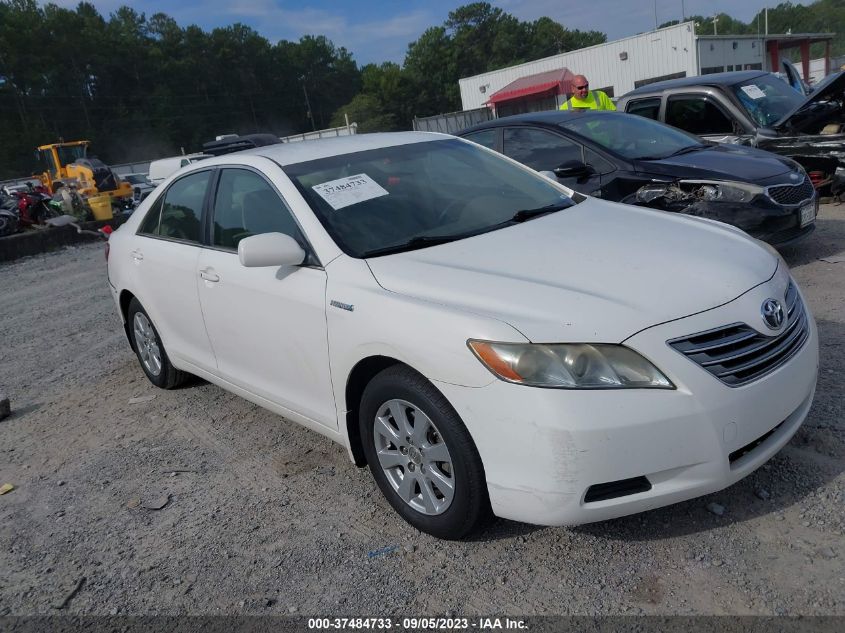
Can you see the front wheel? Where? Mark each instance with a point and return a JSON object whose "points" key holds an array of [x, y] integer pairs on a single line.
{"points": [[150, 351], [421, 455]]}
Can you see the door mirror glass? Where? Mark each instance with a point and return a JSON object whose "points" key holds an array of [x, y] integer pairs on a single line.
{"points": [[270, 249]]}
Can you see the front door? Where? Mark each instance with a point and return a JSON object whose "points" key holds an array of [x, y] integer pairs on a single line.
{"points": [[267, 325], [546, 151]]}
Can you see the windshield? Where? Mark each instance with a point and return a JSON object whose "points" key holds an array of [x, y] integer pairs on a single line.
{"points": [[633, 137], [68, 155], [767, 99], [411, 196]]}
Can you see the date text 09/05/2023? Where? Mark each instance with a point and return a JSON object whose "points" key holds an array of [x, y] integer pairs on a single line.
{"points": [[417, 623]]}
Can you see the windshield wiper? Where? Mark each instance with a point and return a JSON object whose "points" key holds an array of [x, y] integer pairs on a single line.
{"points": [[420, 241], [683, 150], [527, 214]]}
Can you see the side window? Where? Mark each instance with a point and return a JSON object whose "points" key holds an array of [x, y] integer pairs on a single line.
{"points": [[149, 225], [599, 164], [539, 149], [487, 138], [182, 211], [649, 108], [246, 205], [697, 115]]}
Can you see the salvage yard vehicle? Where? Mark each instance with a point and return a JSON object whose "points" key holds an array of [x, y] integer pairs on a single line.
{"points": [[755, 108], [634, 160], [69, 164], [162, 168], [141, 185], [485, 339]]}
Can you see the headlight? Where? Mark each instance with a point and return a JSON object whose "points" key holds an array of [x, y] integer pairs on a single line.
{"points": [[714, 191], [569, 365]]}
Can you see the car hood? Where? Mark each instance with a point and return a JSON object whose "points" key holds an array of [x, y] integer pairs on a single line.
{"points": [[596, 272], [831, 87], [720, 162]]}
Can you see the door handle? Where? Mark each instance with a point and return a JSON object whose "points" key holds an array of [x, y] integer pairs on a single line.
{"points": [[137, 255], [209, 275]]}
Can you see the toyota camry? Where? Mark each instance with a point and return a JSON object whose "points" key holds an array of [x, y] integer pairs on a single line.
{"points": [[486, 340]]}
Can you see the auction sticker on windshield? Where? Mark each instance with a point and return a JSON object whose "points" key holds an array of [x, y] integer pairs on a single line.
{"points": [[351, 190], [753, 91]]}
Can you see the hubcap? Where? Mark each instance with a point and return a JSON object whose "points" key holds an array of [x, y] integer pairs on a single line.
{"points": [[414, 457], [145, 341]]}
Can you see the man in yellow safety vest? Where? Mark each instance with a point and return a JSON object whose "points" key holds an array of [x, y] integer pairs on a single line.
{"points": [[586, 99]]}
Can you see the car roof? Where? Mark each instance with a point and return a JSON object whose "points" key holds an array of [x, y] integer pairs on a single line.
{"points": [[302, 151], [546, 117], [715, 79]]}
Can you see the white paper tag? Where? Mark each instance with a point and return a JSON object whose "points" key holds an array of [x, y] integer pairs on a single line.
{"points": [[753, 91], [350, 190]]}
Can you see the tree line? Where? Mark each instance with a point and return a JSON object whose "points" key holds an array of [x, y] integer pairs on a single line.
{"points": [[141, 87]]}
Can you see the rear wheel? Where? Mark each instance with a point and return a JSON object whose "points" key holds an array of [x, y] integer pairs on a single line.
{"points": [[150, 351], [421, 455], [8, 224]]}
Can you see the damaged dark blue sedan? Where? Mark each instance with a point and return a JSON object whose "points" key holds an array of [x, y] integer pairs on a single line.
{"points": [[634, 160]]}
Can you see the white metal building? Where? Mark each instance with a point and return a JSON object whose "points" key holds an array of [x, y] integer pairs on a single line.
{"points": [[619, 66]]}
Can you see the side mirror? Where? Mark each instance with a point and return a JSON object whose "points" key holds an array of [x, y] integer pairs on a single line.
{"points": [[270, 249], [571, 169]]}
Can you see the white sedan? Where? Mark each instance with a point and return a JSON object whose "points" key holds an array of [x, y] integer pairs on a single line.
{"points": [[486, 340]]}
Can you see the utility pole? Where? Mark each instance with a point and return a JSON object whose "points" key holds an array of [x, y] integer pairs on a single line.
{"points": [[309, 113], [715, 19], [655, 15], [683, 12]]}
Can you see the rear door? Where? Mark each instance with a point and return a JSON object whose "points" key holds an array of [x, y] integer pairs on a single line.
{"points": [[164, 274], [267, 325]]}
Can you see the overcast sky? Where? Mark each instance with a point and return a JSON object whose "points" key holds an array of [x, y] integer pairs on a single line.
{"points": [[380, 30]]}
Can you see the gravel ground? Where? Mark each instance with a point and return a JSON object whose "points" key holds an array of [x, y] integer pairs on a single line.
{"points": [[132, 500]]}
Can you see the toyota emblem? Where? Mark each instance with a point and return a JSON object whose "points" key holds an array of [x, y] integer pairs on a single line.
{"points": [[772, 312]]}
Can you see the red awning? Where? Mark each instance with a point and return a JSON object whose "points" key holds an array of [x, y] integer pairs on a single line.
{"points": [[552, 81]]}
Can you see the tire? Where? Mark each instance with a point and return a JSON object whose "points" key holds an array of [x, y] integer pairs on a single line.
{"points": [[150, 351], [436, 480], [8, 224]]}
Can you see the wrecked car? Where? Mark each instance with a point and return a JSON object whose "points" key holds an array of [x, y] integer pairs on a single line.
{"points": [[639, 161], [759, 109]]}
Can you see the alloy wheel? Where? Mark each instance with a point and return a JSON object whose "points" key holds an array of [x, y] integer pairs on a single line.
{"points": [[414, 457]]}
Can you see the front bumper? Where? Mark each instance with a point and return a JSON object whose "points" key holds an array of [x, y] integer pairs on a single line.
{"points": [[762, 219], [543, 449]]}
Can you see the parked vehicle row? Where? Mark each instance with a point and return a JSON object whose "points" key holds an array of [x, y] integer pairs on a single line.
{"points": [[485, 339], [755, 108], [635, 160]]}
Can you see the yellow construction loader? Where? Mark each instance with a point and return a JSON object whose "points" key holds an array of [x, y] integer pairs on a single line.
{"points": [[68, 163]]}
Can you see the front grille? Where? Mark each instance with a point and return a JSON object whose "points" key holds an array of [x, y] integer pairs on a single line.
{"points": [[792, 195], [738, 354]]}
